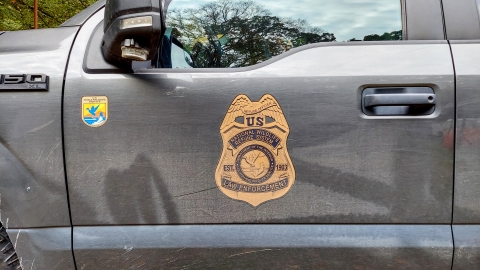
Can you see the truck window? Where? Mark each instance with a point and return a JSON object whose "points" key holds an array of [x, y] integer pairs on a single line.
{"points": [[240, 33]]}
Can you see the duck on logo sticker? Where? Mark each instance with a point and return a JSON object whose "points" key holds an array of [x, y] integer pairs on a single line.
{"points": [[95, 110], [255, 166]]}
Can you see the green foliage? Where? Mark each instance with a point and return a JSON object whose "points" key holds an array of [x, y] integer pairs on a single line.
{"points": [[18, 14], [395, 35]]}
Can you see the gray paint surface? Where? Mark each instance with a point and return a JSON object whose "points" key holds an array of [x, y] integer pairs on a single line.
{"points": [[467, 247], [264, 247], [32, 182], [461, 19], [39, 249], [424, 20], [153, 162], [467, 172]]}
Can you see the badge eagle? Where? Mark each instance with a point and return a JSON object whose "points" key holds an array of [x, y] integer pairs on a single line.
{"points": [[255, 166]]}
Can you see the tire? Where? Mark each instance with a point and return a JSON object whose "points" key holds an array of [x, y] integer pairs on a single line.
{"points": [[8, 256]]}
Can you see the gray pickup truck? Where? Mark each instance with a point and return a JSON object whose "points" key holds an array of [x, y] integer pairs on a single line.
{"points": [[243, 134]]}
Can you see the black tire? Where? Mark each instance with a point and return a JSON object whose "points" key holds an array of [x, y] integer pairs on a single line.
{"points": [[8, 257]]}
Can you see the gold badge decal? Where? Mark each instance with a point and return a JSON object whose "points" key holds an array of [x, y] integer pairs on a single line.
{"points": [[255, 166]]}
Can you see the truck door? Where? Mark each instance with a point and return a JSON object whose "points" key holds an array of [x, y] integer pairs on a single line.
{"points": [[463, 31], [283, 140]]}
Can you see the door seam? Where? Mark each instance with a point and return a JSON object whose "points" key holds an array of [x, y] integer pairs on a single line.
{"points": [[454, 147]]}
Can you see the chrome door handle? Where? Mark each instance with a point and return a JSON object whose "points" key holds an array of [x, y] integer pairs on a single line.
{"points": [[398, 101], [373, 100]]}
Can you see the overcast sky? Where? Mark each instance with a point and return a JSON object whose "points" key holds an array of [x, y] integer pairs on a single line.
{"points": [[345, 18]]}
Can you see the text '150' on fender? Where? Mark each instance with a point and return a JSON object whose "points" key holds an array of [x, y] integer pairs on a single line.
{"points": [[23, 82]]}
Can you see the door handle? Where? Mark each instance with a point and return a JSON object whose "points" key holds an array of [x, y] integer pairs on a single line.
{"points": [[372, 100], [398, 101]]}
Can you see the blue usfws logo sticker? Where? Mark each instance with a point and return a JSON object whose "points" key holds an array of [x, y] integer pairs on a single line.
{"points": [[95, 110]]}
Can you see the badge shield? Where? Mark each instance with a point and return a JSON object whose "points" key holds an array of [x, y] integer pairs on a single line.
{"points": [[255, 166]]}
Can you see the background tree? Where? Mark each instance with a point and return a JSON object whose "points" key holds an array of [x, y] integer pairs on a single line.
{"points": [[395, 35], [237, 33], [18, 14]]}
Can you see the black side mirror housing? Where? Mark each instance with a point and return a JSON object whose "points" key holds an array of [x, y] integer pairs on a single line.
{"points": [[132, 30]]}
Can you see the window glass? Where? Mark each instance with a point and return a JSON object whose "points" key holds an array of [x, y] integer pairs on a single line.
{"points": [[180, 58], [239, 33]]}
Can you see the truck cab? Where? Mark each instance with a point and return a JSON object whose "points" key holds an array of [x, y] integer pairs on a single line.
{"points": [[244, 135]]}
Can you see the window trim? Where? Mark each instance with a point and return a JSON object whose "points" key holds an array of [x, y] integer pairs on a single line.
{"points": [[403, 4]]}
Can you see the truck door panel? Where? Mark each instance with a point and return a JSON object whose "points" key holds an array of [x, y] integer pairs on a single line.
{"points": [[152, 164], [466, 214], [463, 31], [169, 131]]}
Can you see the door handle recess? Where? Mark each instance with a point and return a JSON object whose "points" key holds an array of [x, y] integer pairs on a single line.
{"points": [[398, 101], [373, 100]]}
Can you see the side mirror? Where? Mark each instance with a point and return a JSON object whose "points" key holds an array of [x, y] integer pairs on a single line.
{"points": [[132, 30]]}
